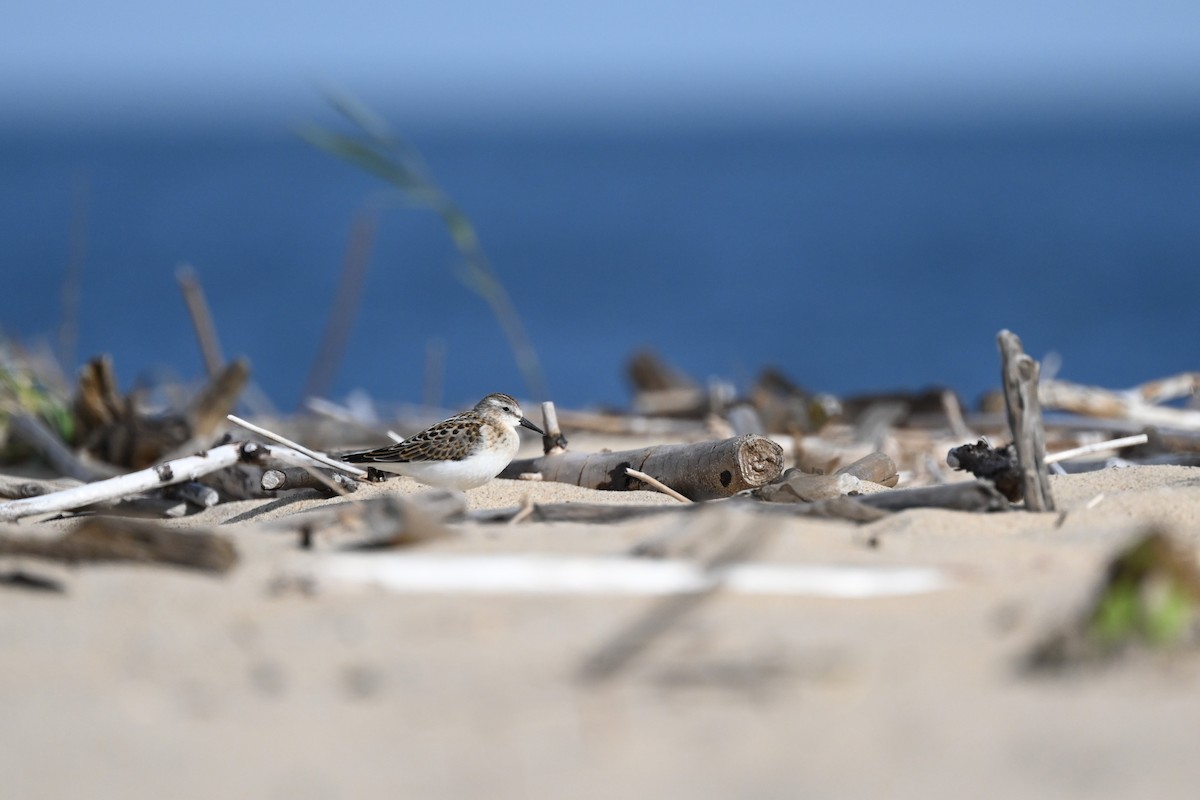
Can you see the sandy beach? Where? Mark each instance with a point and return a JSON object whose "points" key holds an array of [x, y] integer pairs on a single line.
{"points": [[138, 681], [842, 350]]}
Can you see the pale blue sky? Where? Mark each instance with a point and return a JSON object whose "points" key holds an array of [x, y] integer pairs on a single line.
{"points": [[137, 58]]}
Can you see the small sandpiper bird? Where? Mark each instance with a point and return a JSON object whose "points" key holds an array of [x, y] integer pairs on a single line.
{"points": [[462, 452]]}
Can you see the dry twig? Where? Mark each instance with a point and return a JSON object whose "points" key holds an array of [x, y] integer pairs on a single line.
{"points": [[206, 331], [299, 448], [656, 483]]}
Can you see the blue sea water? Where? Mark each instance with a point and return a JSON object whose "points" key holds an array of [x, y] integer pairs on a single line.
{"points": [[854, 258]]}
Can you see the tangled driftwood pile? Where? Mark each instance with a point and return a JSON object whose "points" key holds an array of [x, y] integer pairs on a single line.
{"points": [[852, 458]]}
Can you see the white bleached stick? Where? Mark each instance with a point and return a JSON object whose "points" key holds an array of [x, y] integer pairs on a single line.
{"points": [[543, 574], [349, 469], [1088, 449], [188, 468]]}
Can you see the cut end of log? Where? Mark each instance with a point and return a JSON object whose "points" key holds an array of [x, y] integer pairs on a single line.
{"points": [[760, 461]]}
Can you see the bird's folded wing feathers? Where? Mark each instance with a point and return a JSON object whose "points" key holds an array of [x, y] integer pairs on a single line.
{"points": [[424, 446]]}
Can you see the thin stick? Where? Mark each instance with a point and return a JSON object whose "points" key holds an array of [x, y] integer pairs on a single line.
{"points": [[197, 306], [1088, 449], [525, 512], [299, 448], [435, 372], [405, 169], [283, 454], [68, 332], [656, 483], [550, 417], [954, 416], [345, 303]]}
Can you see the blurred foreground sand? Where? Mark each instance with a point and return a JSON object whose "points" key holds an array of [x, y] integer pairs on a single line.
{"points": [[158, 683]]}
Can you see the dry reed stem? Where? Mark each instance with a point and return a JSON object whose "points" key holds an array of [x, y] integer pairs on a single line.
{"points": [[299, 448], [650, 480]]}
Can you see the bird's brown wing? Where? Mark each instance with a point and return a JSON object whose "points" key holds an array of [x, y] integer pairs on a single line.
{"points": [[442, 442]]}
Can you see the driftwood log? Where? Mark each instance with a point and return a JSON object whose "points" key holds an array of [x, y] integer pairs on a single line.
{"points": [[99, 539], [872, 472], [299, 449], [573, 512], [168, 473], [973, 496], [661, 390], [1138, 406], [327, 482], [113, 428], [378, 523], [784, 406], [700, 471], [1020, 375], [970, 496], [195, 493]]}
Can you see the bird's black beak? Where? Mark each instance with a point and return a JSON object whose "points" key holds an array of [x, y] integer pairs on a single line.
{"points": [[527, 424]]}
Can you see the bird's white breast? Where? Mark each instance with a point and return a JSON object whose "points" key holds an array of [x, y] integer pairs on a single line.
{"points": [[475, 470]]}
